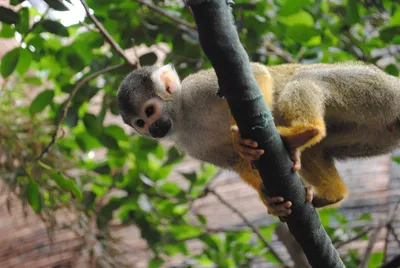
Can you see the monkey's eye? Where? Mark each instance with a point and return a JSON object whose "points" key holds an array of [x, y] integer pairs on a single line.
{"points": [[149, 111], [140, 123]]}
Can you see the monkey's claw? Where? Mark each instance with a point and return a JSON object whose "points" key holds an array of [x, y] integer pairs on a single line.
{"points": [[246, 148]]}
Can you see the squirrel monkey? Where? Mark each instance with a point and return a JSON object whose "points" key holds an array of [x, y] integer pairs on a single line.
{"points": [[322, 111]]}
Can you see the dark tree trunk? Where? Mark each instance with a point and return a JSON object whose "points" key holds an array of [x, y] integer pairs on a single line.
{"points": [[220, 42]]}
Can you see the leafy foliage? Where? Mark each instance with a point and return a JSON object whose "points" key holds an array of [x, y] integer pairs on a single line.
{"points": [[127, 180]]}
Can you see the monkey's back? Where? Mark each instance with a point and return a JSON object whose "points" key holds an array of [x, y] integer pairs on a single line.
{"points": [[360, 101]]}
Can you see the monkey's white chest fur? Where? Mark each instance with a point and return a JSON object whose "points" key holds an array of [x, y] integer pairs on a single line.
{"points": [[204, 131]]}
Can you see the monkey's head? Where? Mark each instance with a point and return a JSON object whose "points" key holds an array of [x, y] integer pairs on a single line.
{"points": [[144, 100]]}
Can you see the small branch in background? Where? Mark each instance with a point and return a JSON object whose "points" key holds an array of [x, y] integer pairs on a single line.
{"points": [[106, 35], [35, 25], [68, 102], [136, 54], [87, 26], [354, 238], [161, 11], [368, 250], [251, 226], [280, 53]]}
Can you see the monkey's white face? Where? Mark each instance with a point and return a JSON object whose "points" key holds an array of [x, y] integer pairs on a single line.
{"points": [[143, 98], [151, 121]]}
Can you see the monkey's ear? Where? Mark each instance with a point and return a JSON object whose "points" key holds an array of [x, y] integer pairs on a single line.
{"points": [[167, 81]]}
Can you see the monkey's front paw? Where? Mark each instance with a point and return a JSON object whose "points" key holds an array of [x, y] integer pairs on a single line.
{"points": [[246, 148]]}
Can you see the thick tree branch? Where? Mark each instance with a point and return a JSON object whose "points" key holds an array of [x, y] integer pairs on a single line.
{"points": [[68, 102], [251, 226], [106, 35]]}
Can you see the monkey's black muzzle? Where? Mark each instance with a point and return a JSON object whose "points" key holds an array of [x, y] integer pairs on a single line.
{"points": [[160, 128]]}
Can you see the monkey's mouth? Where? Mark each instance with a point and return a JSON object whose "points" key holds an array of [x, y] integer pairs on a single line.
{"points": [[160, 128]]}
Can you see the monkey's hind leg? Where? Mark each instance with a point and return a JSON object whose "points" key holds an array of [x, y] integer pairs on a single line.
{"points": [[319, 171], [302, 105]]}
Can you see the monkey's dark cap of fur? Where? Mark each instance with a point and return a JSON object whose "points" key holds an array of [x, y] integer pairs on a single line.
{"points": [[134, 89]]}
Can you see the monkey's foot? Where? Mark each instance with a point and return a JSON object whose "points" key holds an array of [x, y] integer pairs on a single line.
{"points": [[295, 141], [319, 201], [276, 205]]}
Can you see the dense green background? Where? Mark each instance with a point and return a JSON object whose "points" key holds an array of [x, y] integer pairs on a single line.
{"points": [[54, 58]]}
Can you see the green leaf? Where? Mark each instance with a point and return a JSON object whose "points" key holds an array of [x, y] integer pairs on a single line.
{"points": [[171, 188], [23, 26], [301, 33], [108, 141], [267, 231], [57, 5], [376, 259], [54, 27], [201, 219], [156, 262], [67, 185], [302, 18], [365, 217], [148, 59], [185, 231], [116, 132], [396, 159], [33, 195], [292, 6], [9, 62], [192, 176], [387, 34], [8, 16], [392, 69], [174, 156], [395, 20], [41, 101], [24, 61], [7, 31], [352, 14], [92, 125]]}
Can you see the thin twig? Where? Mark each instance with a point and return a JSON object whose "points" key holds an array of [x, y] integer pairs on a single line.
{"points": [[354, 238], [252, 227], [68, 102], [166, 14], [368, 250], [396, 237], [280, 53], [106, 35]]}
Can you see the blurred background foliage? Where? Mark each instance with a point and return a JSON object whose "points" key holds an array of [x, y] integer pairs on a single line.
{"points": [[61, 81]]}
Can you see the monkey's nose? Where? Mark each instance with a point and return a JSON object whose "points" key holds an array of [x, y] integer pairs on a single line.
{"points": [[160, 127]]}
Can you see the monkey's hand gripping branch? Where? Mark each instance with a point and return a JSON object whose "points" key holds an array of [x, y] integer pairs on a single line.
{"points": [[220, 42]]}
